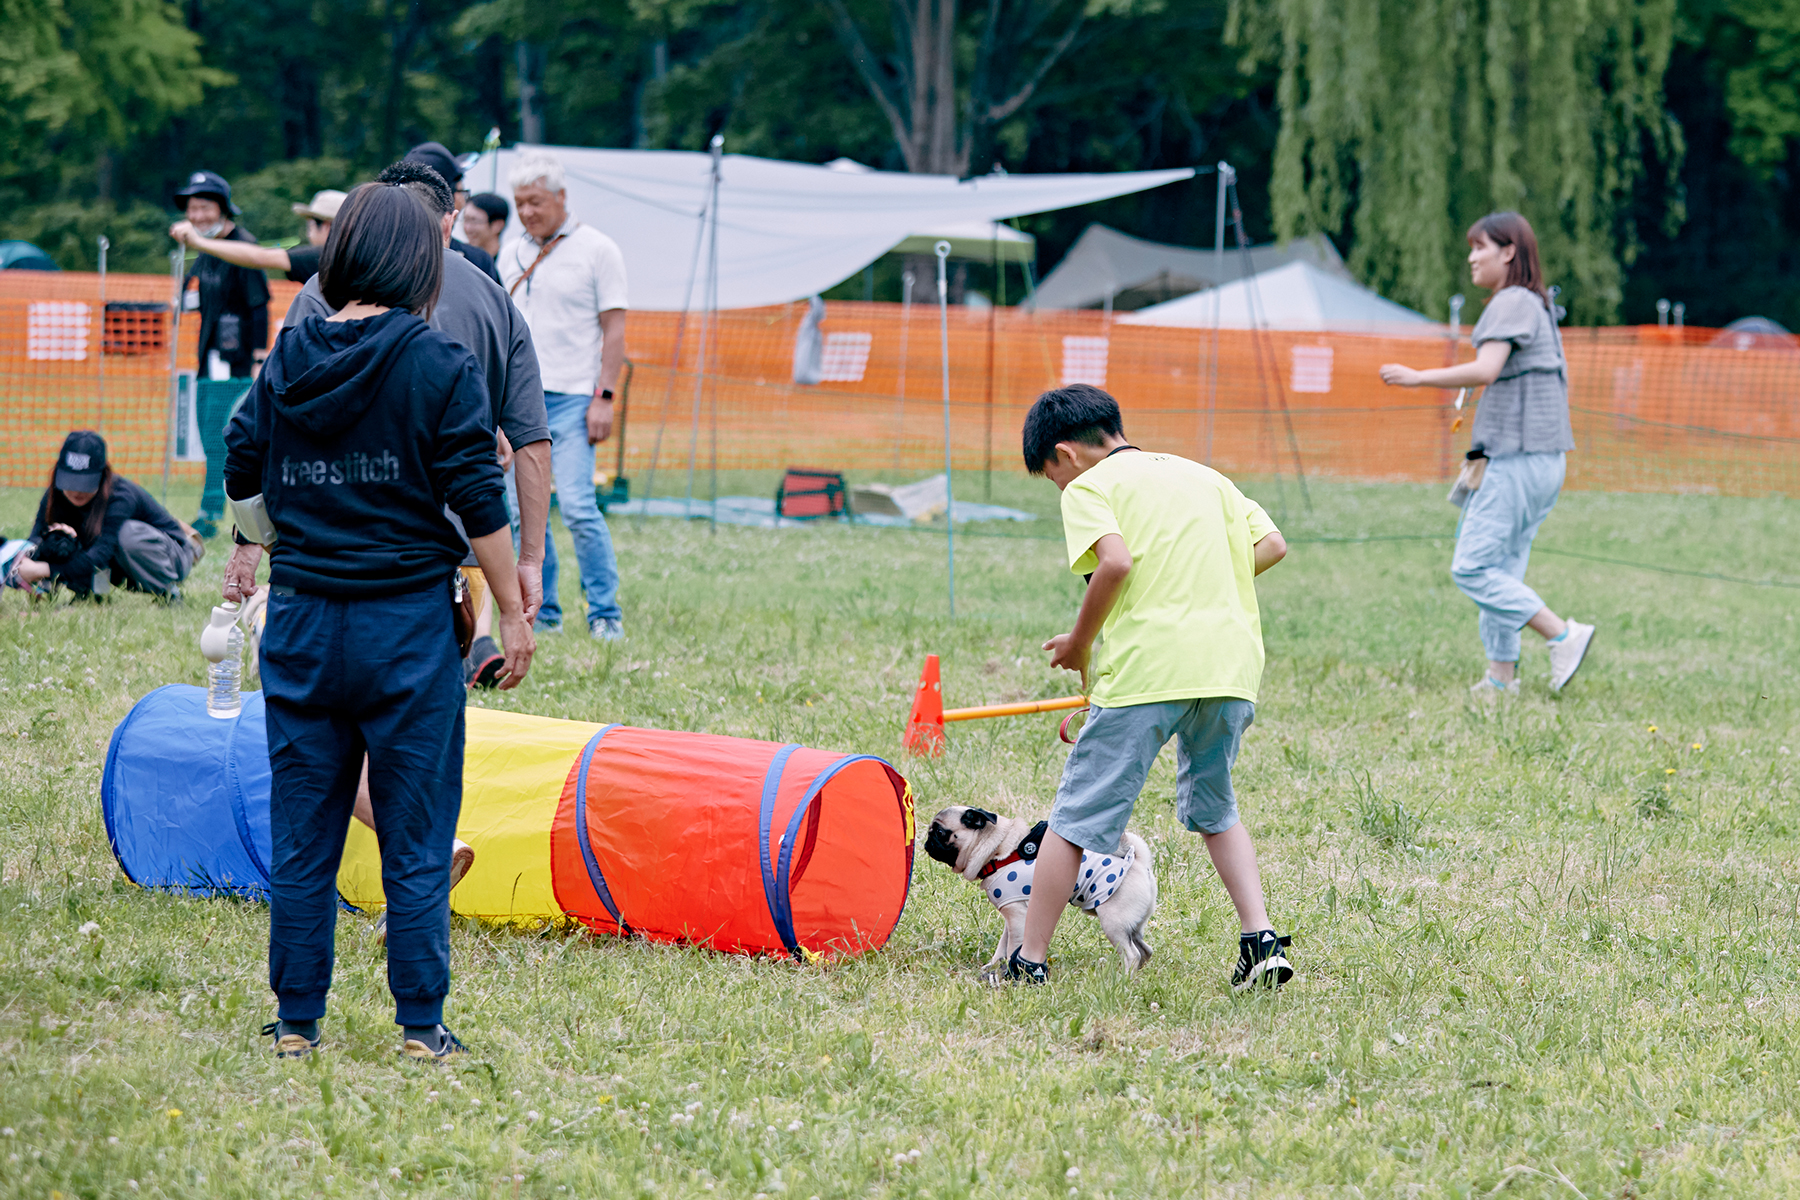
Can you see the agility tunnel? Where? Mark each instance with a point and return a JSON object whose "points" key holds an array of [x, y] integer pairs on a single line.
{"points": [[739, 845]]}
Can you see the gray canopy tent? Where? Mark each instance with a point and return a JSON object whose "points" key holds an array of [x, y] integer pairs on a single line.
{"points": [[1135, 273]]}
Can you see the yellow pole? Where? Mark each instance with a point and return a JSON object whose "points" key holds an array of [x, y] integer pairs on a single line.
{"points": [[1015, 710]]}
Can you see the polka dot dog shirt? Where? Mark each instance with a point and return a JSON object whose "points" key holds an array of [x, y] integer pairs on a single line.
{"points": [[1098, 878]]}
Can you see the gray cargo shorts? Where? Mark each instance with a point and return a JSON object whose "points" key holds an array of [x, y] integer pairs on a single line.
{"points": [[1112, 758]]}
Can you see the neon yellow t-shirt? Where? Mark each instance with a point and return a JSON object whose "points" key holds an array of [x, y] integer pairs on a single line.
{"points": [[1186, 624]]}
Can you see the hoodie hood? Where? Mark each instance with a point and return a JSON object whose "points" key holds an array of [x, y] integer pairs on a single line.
{"points": [[324, 375]]}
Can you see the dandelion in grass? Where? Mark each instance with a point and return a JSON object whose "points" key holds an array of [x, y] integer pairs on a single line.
{"points": [[91, 929]]}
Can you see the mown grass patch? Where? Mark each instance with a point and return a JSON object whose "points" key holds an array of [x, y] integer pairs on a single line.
{"points": [[1545, 947]]}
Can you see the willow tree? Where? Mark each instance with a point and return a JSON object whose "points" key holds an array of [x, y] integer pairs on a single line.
{"points": [[1404, 120]]}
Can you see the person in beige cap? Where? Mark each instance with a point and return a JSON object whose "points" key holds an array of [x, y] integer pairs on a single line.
{"points": [[300, 263]]}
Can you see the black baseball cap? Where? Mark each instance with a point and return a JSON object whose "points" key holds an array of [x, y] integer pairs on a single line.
{"points": [[82, 461], [438, 157], [207, 183]]}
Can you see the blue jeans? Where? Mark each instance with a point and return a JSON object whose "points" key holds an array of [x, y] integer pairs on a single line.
{"points": [[341, 677], [1493, 545], [572, 465], [1115, 750]]}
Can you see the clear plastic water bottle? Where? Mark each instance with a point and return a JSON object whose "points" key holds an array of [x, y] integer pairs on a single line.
{"points": [[222, 643]]}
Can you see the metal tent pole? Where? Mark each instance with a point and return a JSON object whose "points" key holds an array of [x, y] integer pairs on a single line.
{"points": [[712, 298], [1226, 175], [100, 358], [1287, 417], [987, 449], [942, 250], [687, 305], [906, 291], [708, 327], [177, 265]]}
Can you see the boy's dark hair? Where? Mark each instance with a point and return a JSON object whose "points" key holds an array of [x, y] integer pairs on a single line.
{"points": [[384, 248], [1080, 412], [494, 206], [424, 181]]}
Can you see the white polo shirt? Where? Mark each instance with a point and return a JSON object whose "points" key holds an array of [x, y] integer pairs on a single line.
{"points": [[562, 301]]}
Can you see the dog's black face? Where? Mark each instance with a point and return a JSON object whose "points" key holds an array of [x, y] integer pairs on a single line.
{"points": [[940, 840]]}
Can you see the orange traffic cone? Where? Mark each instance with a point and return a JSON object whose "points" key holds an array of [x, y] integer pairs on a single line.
{"points": [[925, 727]]}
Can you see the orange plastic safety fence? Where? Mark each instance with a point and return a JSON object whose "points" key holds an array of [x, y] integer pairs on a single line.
{"points": [[67, 362], [1654, 409]]}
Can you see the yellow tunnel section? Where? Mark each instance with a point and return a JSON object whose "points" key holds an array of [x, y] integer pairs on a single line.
{"points": [[513, 774]]}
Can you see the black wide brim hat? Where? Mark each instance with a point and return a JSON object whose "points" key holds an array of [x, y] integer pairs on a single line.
{"points": [[208, 183]]}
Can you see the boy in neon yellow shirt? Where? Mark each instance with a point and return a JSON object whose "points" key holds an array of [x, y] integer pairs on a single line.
{"points": [[1171, 550]]}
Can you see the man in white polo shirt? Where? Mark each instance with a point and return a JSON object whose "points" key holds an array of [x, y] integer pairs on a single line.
{"points": [[568, 279]]}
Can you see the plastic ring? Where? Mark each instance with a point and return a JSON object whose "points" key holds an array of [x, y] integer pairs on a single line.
{"points": [[1062, 731]]}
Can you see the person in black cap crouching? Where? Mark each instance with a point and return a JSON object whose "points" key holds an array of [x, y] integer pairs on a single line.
{"points": [[95, 528], [438, 157], [233, 301]]}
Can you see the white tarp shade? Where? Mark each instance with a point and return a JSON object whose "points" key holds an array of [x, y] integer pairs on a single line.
{"points": [[1137, 273], [1298, 297], [786, 230]]}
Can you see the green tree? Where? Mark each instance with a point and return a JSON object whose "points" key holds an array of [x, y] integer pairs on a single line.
{"points": [[1403, 122], [80, 78]]}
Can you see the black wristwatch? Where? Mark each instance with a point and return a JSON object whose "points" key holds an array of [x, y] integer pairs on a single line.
{"points": [[605, 394]]}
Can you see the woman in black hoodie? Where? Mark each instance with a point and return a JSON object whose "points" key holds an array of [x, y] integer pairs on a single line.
{"points": [[361, 428]]}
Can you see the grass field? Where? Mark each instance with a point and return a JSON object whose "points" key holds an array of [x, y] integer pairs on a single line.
{"points": [[1546, 949]]}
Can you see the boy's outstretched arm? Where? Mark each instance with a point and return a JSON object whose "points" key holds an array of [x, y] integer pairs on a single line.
{"points": [[1070, 650], [1271, 550]]}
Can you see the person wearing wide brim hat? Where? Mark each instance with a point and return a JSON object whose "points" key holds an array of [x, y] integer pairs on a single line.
{"points": [[299, 263], [96, 528], [233, 300], [209, 185]]}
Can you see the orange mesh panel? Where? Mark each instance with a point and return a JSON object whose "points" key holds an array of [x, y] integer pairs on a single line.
{"points": [[1655, 410], [53, 378]]}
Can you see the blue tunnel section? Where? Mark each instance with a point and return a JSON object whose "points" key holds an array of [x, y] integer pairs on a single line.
{"points": [[208, 833]]}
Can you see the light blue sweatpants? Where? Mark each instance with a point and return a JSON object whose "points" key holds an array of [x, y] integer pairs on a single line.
{"points": [[1494, 544]]}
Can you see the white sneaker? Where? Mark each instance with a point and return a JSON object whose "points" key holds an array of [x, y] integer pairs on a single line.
{"points": [[1567, 653], [1491, 689], [607, 629]]}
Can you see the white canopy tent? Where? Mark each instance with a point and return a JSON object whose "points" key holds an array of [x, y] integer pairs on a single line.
{"points": [[1297, 297], [786, 230], [1136, 273]]}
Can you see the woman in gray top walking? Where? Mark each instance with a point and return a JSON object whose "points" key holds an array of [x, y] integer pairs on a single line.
{"points": [[1521, 435]]}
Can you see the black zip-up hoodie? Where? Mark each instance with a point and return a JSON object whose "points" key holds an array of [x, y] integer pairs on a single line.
{"points": [[357, 434]]}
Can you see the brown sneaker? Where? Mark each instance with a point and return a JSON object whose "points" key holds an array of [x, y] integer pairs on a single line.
{"points": [[462, 857]]}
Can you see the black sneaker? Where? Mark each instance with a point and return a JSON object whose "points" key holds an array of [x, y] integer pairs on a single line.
{"points": [[289, 1045], [446, 1044], [1261, 960], [1020, 969], [485, 663]]}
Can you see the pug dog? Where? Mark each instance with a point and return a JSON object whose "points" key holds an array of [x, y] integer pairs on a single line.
{"points": [[999, 854]]}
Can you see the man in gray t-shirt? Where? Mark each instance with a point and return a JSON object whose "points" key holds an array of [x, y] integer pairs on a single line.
{"points": [[477, 312]]}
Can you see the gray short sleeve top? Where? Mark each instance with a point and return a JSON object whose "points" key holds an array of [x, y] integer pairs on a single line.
{"points": [[1525, 410]]}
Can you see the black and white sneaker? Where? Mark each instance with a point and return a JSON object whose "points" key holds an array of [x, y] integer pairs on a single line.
{"points": [[1262, 959], [438, 1046], [289, 1043], [1020, 969]]}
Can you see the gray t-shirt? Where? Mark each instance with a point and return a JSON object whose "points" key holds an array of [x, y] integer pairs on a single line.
{"points": [[478, 313], [1525, 410]]}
